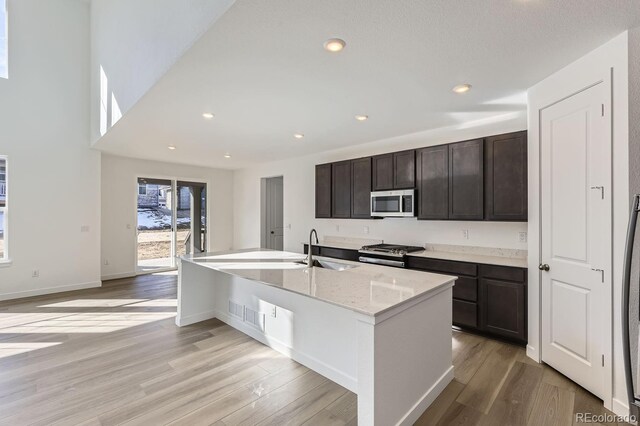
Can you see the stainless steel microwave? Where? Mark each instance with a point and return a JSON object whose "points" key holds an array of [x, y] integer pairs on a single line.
{"points": [[393, 203]]}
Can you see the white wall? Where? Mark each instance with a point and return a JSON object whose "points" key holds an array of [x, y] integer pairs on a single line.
{"points": [[136, 42], [54, 179], [299, 197], [119, 197], [608, 60]]}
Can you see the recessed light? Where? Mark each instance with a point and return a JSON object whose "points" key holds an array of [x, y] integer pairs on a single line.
{"points": [[462, 88], [334, 45], [362, 117], [298, 135], [171, 147], [227, 156], [208, 115]]}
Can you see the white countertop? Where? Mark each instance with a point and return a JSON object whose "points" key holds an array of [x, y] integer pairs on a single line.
{"points": [[456, 253], [367, 289]]}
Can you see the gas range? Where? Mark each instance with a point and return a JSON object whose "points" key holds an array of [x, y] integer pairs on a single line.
{"points": [[387, 254]]}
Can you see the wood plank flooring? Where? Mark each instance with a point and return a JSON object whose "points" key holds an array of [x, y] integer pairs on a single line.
{"points": [[113, 356]]}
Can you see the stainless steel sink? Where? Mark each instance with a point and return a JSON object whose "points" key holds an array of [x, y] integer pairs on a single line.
{"points": [[328, 264]]}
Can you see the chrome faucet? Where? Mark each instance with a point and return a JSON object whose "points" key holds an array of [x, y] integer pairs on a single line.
{"points": [[310, 255]]}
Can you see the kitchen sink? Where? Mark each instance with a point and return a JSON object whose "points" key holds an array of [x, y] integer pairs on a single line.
{"points": [[327, 264]]}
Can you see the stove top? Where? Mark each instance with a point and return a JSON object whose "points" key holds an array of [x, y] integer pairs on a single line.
{"points": [[394, 249]]}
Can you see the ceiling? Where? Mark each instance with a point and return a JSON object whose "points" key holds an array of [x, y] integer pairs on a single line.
{"points": [[262, 70]]}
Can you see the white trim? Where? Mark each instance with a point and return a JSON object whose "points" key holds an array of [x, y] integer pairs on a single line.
{"points": [[118, 276], [619, 407], [49, 290], [427, 399], [533, 353]]}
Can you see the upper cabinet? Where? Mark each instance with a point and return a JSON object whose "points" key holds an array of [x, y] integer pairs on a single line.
{"points": [[361, 188], [432, 166], [323, 191], [341, 189], [394, 171], [481, 179], [506, 177], [466, 180]]}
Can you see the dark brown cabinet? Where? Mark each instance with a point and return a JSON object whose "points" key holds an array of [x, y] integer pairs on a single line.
{"points": [[486, 298], [404, 170], [382, 172], [394, 171], [341, 189], [432, 170], [506, 177], [361, 188], [323, 191], [466, 180]]}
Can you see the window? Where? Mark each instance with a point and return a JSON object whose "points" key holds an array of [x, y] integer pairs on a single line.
{"points": [[4, 49], [3, 209], [142, 189]]}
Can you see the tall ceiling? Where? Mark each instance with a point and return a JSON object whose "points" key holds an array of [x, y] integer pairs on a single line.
{"points": [[262, 70]]}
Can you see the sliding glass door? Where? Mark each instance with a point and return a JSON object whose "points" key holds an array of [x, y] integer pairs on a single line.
{"points": [[171, 222]]}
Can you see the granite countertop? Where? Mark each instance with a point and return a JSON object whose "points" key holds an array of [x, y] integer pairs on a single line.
{"points": [[483, 255], [366, 289]]}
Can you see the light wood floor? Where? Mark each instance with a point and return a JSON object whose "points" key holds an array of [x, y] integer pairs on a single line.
{"points": [[114, 356]]}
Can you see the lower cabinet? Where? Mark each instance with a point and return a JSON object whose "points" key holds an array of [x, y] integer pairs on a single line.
{"points": [[503, 309], [465, 314]]}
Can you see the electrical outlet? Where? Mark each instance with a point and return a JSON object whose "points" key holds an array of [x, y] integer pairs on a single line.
{"points": [[465, 234], [337, 228], [366, 229], [106, 262], [35, 273], [274, 312], [84, 228], [522, 237], [288, 226]]}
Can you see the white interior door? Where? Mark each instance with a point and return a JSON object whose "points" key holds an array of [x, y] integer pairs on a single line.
{"points": [[576, 237]]}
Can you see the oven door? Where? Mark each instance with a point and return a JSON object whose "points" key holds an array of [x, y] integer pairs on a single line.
{"points": [[392, 203]]}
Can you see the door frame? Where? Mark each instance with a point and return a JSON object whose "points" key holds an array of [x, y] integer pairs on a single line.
{"points": [[534, 345], [174, 180], [263, 209]]}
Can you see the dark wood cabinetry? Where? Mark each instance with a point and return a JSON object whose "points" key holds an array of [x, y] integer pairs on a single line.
{"points": [[506, 177], [466, 180], [341, 189], [382, 172], [394, 171], [404, 170], [486, 298], [361, 188], [432, 170], [323, 191]]}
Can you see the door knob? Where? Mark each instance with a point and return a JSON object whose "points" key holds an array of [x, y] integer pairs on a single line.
{"points": [[543, 267]]}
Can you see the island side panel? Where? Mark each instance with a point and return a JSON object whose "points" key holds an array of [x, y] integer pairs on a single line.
{"points": [[404, 362], [196, 294]]}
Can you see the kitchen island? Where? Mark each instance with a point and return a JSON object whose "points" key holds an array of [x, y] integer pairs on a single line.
{"points": [[383, 333]]}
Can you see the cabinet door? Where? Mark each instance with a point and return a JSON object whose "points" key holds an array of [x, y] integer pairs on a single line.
{"points": [[502, 309], [323, 190], [361, 188], [383, 172], [433, 182], [404, 170], [341, 189], [466, 182], [506, 177]]}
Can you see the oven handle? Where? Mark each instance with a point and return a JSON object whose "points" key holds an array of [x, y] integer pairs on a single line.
{"points": [[385, 262]]}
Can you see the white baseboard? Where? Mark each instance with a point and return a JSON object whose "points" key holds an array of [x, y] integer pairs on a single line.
{"points": [[182, 321], [620, 408], [313, 363], [427, 399], [118, 276], [49, 290], [533, 353]]}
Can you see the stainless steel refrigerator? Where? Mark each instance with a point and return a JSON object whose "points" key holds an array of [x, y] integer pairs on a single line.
{"points": [[631, 307]]}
